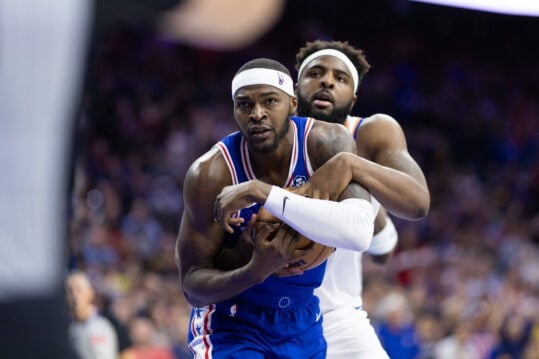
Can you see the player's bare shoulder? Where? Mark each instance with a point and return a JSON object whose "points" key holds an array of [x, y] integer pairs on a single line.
{"points": [[379, 121], [207, 175], [379, 132]]}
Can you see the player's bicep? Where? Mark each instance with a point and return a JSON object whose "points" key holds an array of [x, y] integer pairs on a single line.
{"points": [[200, 238], [380, 133], [198, 244]]}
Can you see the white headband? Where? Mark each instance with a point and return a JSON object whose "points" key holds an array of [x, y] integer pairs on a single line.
{"points": [[261, 76], [337, 54]]}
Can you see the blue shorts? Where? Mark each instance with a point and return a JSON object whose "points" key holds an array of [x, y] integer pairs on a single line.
{"points": [[234, 329]]}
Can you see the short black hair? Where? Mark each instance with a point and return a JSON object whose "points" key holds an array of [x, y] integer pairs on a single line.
{"points": [[264, 63], [357, 56]]}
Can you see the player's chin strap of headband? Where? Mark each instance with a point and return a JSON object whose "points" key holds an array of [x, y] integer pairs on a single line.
{"points": [[335, 53], [262, 76]]}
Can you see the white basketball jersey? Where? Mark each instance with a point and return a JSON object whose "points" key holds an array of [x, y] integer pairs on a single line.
{"points": [[342, 282]]}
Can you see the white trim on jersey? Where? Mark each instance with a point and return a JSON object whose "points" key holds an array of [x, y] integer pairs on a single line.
{"points": [[228, 160], [308, 128], [246, 160], [231, 169], [201, 346]]}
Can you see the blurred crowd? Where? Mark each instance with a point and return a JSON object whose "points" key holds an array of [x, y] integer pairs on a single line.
{"points": [[463, 283]]}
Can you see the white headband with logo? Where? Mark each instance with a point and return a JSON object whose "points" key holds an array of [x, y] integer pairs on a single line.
{"points": [[260, 76], [335, 53]]}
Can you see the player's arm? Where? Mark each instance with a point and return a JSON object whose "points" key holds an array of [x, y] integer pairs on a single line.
{"points": [[346, 224], [385, 238], [200, 240], [384, 166], [393, 176], [325, 141]]}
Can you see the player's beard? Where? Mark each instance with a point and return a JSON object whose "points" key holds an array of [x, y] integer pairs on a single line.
{"points": [[337, 114], [277, 139]]}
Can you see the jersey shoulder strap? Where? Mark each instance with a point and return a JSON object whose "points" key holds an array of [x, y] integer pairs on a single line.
{"points": [[352, 123]]}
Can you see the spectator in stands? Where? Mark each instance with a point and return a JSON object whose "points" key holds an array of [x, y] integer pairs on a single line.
{"points": [[92, 334]]}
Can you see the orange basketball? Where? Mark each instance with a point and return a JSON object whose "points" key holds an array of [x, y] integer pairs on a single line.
{"points": [[316, 253]]}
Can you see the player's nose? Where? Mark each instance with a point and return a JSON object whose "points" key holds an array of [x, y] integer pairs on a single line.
{"points": [[328, 81], [257, 113]]}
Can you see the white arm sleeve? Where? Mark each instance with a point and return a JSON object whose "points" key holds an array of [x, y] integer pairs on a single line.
{"points": [[348, 224], [384, 241]]}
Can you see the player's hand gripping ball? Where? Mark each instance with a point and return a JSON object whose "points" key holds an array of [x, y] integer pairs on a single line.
{"points": [[315, 253]]}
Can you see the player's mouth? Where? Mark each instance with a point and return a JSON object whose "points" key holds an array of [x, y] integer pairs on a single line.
{"points": [[322, 99], [259, 133]]}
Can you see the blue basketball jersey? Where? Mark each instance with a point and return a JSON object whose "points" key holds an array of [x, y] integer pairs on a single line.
{"points": [[279, 318], [235, 151]]}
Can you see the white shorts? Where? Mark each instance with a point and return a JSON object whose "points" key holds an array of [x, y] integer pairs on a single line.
{"points": [[350, 335]]}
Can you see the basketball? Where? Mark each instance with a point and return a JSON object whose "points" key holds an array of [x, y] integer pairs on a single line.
{"points": [[315, 254]]}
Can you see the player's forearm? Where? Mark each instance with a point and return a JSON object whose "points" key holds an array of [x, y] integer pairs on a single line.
{"points": [[206, 286], [348, 224], [398, 192]]}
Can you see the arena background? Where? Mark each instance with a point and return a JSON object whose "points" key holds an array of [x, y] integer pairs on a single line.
{"points": [[463, 85]]}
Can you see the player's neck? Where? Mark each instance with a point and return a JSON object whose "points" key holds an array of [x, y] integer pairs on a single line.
{"points": [[273, 167]]}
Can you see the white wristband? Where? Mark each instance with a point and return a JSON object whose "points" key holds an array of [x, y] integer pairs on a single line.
{"points": [[348, 224], [384, 241]]}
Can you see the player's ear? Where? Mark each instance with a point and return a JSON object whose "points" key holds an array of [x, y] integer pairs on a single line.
{"points": [[353, 102], [293, 104]]}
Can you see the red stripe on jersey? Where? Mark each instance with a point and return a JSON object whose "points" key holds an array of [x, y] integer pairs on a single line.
{"points": [[207, 330], [228, 161], [246, 162], [294, 158], [231, 168], [193, 330]]}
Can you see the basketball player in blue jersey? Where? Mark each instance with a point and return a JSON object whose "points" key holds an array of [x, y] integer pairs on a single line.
{"points": [[249, 312], [329, 74]]}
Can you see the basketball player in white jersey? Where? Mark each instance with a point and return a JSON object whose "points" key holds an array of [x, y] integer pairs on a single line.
{"points": [[329, 74]]}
